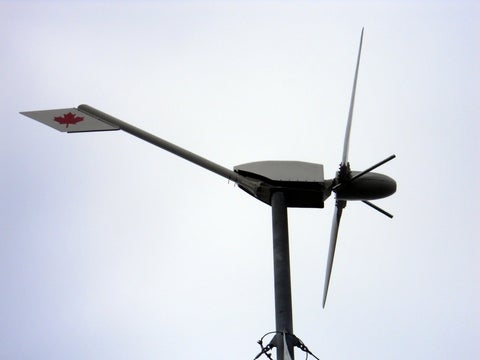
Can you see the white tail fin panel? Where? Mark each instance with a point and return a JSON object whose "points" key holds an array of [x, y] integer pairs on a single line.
{"points": [[69, 120]]}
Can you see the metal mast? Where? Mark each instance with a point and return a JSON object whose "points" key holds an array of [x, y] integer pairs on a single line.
{"points": [[281, 269]]}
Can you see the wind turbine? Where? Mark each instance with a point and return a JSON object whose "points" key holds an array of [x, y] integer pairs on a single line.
{"points": [[280, 184]]}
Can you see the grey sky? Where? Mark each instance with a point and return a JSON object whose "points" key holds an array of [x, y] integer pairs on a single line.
{"points": [[111, 248]]}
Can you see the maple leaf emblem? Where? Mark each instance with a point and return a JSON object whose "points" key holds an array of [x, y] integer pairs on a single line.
{"points": [[68, 119]]}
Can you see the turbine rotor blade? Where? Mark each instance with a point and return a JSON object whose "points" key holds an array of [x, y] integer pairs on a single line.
{"points": [[391, 157], [339, 205], [379, 209], [366, 171], [352, 102]]}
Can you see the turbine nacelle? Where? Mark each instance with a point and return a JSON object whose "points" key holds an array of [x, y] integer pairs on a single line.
{"points": [[302, 183]]}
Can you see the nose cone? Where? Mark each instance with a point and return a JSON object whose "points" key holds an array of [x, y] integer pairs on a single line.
{"points": [[370, 186]]}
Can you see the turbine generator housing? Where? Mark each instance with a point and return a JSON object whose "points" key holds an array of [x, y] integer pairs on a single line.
{"points": [[369, 186], [302, 183]]}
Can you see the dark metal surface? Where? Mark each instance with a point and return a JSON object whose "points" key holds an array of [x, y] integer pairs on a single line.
{"points": [[301, 183], [281, 266], [283, 171], [370, 186]]}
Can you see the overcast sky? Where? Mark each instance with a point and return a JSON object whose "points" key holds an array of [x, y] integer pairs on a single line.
{"points": [[113, 249]]}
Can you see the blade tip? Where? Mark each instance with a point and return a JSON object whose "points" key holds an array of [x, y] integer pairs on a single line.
{"points": [[325, 294]]}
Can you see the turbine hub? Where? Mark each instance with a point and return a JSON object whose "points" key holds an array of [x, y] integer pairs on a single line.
{"points": [[370, 186]]}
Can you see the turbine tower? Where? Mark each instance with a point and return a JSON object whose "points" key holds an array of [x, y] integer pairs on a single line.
{"points": [[280, 184]]}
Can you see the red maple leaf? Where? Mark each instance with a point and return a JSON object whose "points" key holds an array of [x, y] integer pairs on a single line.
{"points": [[68, 119]]}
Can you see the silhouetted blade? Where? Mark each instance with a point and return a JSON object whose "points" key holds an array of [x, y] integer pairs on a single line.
{"points": [[391, 157], [379, 209], [339, 205], [352, 102], [341, 184]]}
